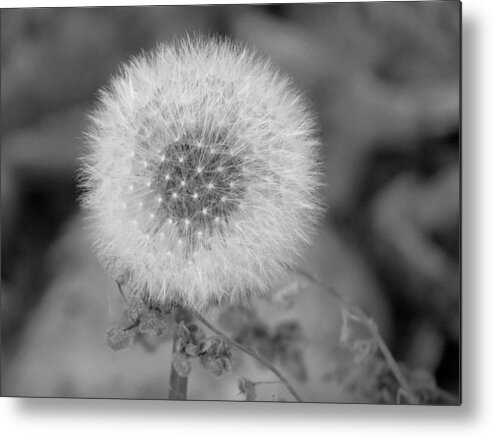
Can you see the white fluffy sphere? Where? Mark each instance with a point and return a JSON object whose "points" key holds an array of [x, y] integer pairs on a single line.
{"points": [[201, 174]]}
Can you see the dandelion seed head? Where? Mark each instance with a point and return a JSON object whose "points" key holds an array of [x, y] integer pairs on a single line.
{"points": [[215, 157]]}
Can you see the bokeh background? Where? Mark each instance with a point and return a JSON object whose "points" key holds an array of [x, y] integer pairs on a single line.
{"points": [[383, 79]]}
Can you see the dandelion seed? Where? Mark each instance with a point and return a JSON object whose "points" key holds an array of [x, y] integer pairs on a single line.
{"points": [[254, 163]]}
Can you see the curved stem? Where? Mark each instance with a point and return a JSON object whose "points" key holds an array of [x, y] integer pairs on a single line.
{"points": [[372, 328], [253, 353]]}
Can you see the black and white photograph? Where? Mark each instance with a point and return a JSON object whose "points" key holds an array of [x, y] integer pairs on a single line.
{"points": [[235, 202]]}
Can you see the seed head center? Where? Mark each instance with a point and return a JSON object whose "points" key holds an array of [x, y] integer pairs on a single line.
{"points": [[197, 187]]}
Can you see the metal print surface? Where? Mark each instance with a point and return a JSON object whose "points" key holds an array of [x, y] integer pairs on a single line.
{"points": [[232, 203]]}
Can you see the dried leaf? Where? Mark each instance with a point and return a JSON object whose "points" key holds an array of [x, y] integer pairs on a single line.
{"points": [[247, 388], [118, 338], [218, 366], [150, 325]]}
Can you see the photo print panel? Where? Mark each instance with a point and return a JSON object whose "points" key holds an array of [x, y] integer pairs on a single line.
{"points": [[233, 203]]}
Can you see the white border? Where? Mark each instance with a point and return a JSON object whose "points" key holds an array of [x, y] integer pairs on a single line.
{"points": [[58, 3]]}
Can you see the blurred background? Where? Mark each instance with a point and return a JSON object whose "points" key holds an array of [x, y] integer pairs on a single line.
{"points": [[383, 79]]}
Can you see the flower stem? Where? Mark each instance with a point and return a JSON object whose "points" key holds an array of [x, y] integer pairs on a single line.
{"points": [[178, 384], [253, 353]]}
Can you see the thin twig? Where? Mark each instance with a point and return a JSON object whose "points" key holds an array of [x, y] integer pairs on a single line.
{"points": [[372, 328], [312, 278], [253, 353], [121, 290], [266, 382]]}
